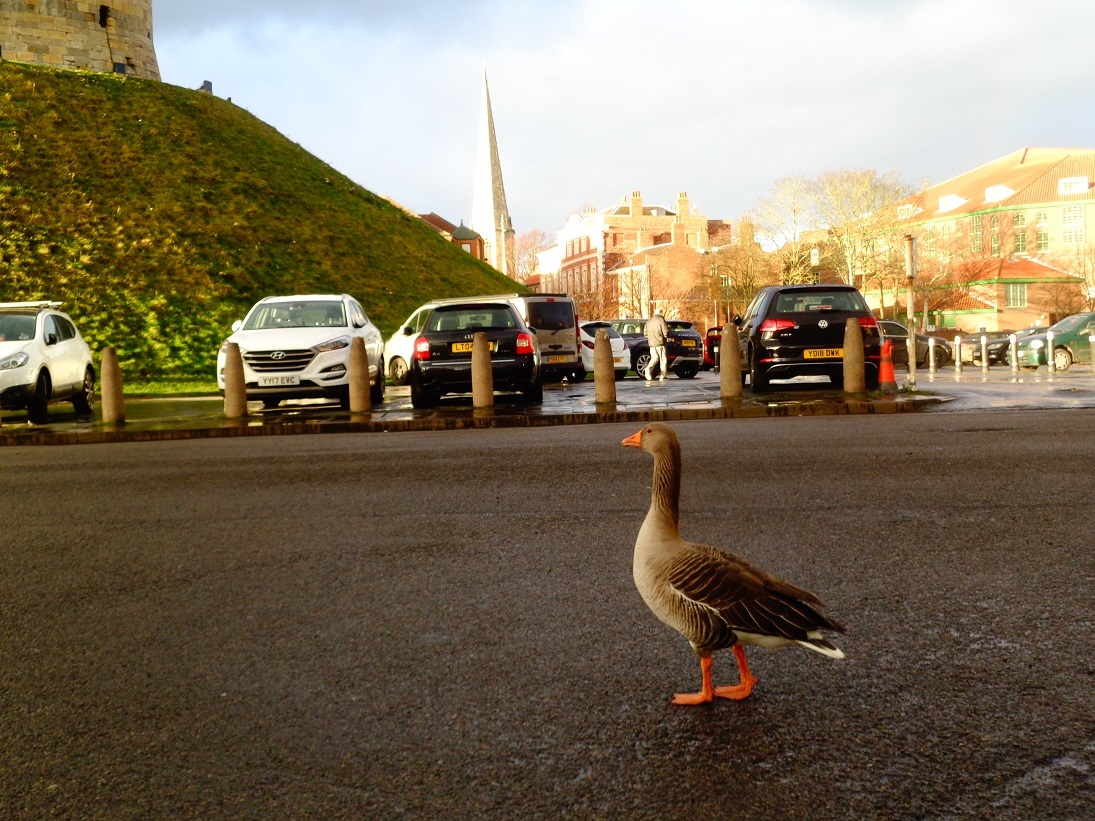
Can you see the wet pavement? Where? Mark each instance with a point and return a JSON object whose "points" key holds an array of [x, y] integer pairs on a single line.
{"points": [[972, 388]]}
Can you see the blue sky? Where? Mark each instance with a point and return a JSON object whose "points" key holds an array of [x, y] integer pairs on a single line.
{"points": [[595, 98]]}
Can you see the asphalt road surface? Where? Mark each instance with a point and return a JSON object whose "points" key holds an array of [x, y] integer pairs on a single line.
{"points": [[444, 625]]}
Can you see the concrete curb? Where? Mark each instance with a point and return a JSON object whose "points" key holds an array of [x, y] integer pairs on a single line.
{"points": [[470, 419]]}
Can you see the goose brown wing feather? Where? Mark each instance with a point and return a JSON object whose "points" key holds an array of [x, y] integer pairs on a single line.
{"points": [[746, 598]]}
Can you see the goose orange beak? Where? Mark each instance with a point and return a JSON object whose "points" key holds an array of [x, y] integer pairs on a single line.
{"points": [[635, 440]]}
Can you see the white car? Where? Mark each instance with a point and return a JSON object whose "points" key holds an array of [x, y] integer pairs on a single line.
{"points": [[43, 359], [298, 347], [621, 359]]}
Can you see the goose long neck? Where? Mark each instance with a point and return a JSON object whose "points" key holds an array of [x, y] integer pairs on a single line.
{"points": [[665, 492]]}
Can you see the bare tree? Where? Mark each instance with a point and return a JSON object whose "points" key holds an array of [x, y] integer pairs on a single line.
{"points": [[739, 269], [525, 248], [858, 207], [789, 211]]}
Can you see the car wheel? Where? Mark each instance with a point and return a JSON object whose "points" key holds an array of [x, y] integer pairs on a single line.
{"points": [[757, 376], [687, 371], [1029, 367], [641, 363], [534, 394], [397, 371], [421, 398], [578, 375], [270, 404], [1062, 359], [376, 392], [620, 374], [344, 398], [38, 407], [84, 401]]}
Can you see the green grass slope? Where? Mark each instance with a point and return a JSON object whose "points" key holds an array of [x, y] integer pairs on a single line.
{"points": [[159, 215]]}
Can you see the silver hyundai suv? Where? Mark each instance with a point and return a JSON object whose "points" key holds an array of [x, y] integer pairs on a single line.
{"points": [[298, 347], [43, 359]]}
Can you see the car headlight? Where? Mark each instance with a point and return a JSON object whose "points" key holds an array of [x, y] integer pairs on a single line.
{"points": [[334, 344], [1036, 343], [15, 360]]}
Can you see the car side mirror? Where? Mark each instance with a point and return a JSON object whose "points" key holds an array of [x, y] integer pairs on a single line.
{"points": [[51, 339], [407, 330], [737, 320], [359, 322], [237, 325]]}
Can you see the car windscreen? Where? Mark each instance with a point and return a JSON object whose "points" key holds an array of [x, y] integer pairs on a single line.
{"points": [[1070, 323], [317, 314], [812, 302], [550, 316], [478, 318], [679, 325], [15, 327]]}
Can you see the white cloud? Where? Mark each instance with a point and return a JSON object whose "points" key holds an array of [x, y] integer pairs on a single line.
{"points": [[595, 98]]}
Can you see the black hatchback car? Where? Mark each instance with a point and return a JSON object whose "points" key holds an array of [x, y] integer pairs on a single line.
{"points": [[441, 362], [683, 347], [798, 330]]}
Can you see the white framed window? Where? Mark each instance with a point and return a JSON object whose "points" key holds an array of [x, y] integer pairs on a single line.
{"points": [[1020, 220], [1072, 224], [1041, 218], [977, 234], [1041, 241], [1015, 295], [995, 245], [994, 223], [1072, 185], [1020, 242]]}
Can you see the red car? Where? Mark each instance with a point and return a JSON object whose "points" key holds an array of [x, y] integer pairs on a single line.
{"points": [[711, 347]]}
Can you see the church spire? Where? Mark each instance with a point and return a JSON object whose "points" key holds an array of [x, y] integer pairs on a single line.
{"points": [[489, 213]]}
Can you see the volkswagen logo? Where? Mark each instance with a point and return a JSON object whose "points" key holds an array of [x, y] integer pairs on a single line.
{"points": [[823, 323], [277, 355]]}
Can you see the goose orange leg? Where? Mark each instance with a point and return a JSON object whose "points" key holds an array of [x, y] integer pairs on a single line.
{"points": [[706, 694], [739, 691]]}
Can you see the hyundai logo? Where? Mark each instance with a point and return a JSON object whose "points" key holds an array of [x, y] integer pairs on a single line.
{"points": [[823, 323], [277, 355]]}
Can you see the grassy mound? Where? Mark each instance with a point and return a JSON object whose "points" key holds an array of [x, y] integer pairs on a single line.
{"points": [[158, 215]]}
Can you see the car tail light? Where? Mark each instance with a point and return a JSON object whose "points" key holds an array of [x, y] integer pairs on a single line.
{"points": [[773, 325], [422, 348], [524, 343], [868, 322], [588, 344]]}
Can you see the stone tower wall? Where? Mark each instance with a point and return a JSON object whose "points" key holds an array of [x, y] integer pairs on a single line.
{"points": [[80, 34]]}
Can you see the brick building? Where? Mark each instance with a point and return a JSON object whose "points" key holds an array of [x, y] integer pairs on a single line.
{"points": [[618, 261], [1007, 243]]}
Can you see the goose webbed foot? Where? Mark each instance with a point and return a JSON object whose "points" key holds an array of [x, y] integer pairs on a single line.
{"points": [[739, 691], [706, 693]]}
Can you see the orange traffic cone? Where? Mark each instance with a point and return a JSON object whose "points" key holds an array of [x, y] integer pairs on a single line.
{"points": [[887, 382]]}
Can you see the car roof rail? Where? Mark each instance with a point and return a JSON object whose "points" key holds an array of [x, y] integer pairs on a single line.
{"points": [[40, 305]]}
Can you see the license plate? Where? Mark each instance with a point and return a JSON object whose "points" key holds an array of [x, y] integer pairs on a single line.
{"points": [[555, 360], [823, 353], [278, 381], [465, 347], [688, 343]]}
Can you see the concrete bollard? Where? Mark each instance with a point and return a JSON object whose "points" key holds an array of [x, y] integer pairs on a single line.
{"points": [[1049, 354], [360, 400], [957, 354], [984, 354], [482, 377], [1013, 352], [235, 389], [604, 372], [1091, 341], [730, 363], [931, 354], [110, 387], [854, 379]]}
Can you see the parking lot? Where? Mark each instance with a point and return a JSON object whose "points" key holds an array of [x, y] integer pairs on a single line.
{"points": [[443, 624], [564, 403]]}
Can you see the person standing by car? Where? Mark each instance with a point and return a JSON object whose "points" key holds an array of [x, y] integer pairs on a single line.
{"points": [[657, 332]]}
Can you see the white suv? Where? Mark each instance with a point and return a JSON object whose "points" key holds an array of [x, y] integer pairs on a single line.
{"points": [[298, 347], [43, 359]]}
